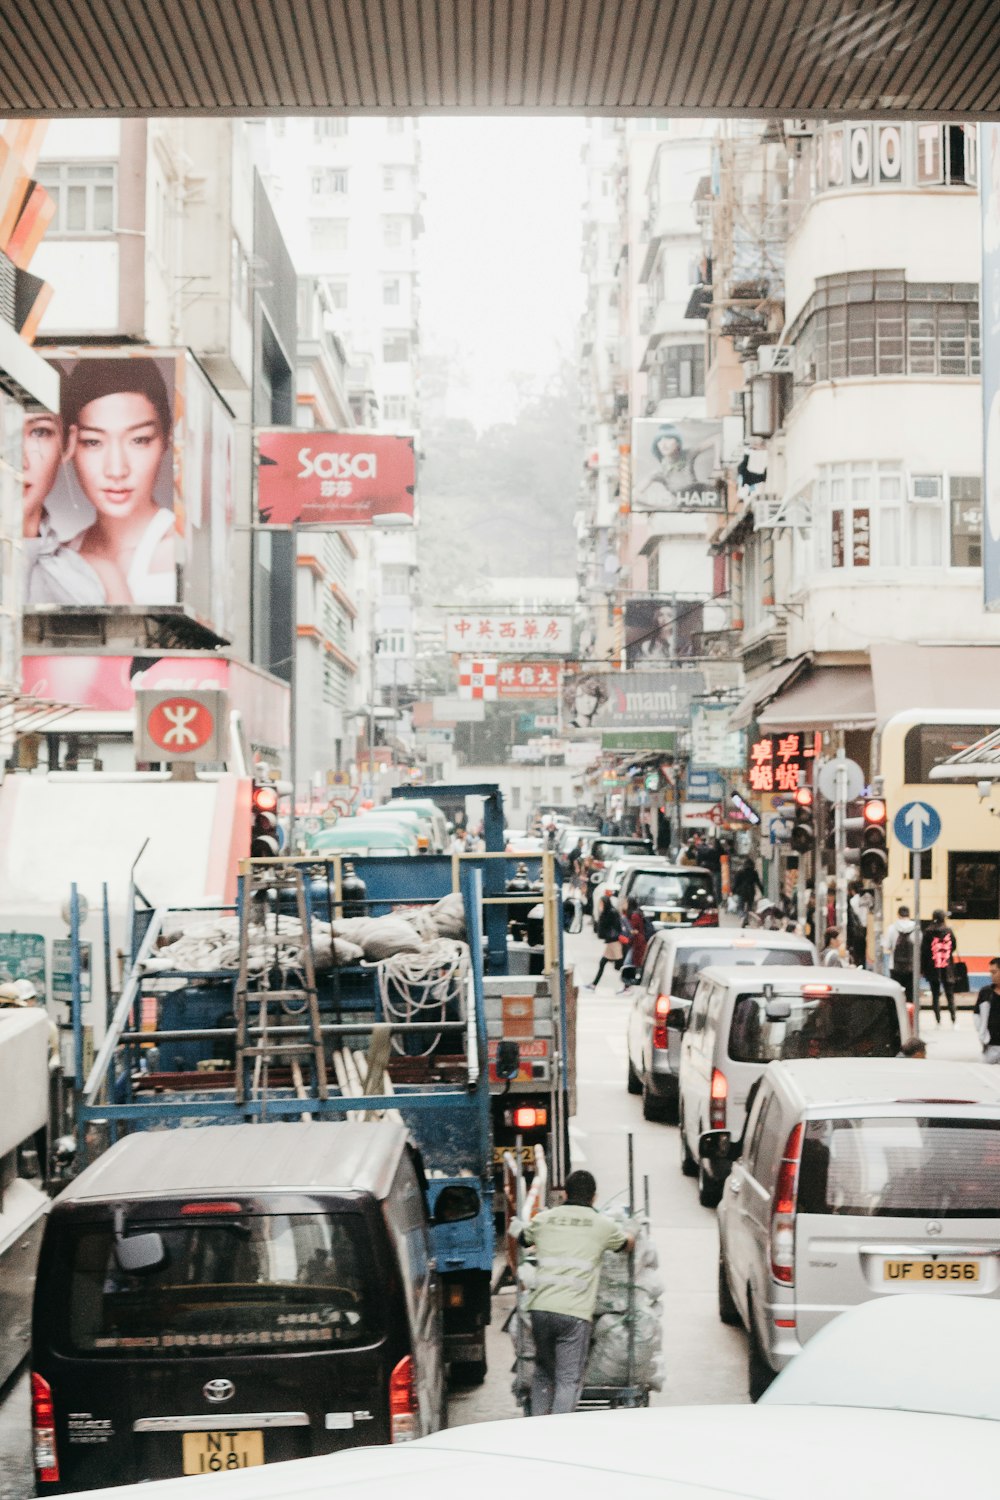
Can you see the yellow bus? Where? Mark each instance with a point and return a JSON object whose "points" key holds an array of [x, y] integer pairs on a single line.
{"points": [[961, 872]]}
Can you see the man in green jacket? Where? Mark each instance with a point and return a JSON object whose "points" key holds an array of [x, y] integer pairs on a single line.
{"points": [[570, 1242]]}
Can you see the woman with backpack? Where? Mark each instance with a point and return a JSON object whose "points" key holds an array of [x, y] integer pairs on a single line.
{"points": [[609, 929], [899, 949]]}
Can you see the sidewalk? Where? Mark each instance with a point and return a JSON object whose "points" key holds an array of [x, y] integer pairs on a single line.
{"points": [[946, 1042]]}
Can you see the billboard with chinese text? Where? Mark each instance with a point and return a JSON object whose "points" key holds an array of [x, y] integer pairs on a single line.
{"points": [[782, 762], [528, 679], [989, 157], [334, 478], [674, 464], [498, 632], [128, 488]]}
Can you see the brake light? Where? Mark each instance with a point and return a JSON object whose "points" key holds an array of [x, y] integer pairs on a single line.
{"points": [[709, 918], [402, 1402], [717, 1100], [528, 1117], [661, 1012], [191, 1209], [783, 1212], [43, 1423], [817, 989]]}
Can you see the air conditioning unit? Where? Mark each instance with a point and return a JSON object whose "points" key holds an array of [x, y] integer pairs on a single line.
{"points": [[736, 403], [774, 359]]}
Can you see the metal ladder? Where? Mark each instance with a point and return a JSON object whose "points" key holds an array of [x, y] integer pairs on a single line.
{"points": [[276, 1026]]}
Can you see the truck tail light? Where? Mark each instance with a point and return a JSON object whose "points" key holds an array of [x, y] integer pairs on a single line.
{"points": [[528, 1117], [708, 918], [717, 1101], [661, 1013], [403, 1402], [783, 1211], [43, 1422]]}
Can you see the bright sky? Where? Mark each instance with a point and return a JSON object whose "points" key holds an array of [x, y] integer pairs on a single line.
{"points": [[500, 286]]}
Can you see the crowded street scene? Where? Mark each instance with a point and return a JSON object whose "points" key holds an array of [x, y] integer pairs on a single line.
{"points": [[499, 748]]}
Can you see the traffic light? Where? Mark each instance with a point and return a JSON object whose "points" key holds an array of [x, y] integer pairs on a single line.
{"points": [[874, 862], [264, 828], [803, 829]]}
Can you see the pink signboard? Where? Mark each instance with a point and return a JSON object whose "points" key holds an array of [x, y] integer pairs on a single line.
{"points": [[334, 478]]}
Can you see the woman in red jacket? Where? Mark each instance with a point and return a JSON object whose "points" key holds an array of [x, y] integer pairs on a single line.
{"points": [[637, 947]]}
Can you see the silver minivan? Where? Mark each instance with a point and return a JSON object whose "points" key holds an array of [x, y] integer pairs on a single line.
{"points": [[662, 996], [856, 1180], [740, 1022]]}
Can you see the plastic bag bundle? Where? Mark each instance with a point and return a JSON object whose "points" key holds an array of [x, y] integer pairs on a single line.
{"points": [[449, 916], [608, 1363]]}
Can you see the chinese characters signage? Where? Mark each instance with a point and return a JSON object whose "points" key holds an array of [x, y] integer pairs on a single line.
{"points": [[861, 552], [472, 630], [713, 743], [782, 762], [334, 478], [528, 679]]}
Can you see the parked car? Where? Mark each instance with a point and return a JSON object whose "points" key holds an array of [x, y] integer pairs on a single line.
{"points": [[227, 1296], [856, 1180], [672, 895], [603, 851], [614, 874], [662, 996], [740, 1022]]}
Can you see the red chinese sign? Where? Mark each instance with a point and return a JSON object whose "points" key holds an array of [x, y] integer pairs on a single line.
{"points": [[334, 478], [781, 762], [474, 630], [180, 724], [528, 679]]}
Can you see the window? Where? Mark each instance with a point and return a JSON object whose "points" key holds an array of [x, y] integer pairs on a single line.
{"points": [[393, 232], [329, 180], [689, 962], [835, 1025], [680, 371], [390, 292], [325, 130], [924, 521], [901, 1167], [974, 886], [395, 348], [83, 194], [337, 292], [515, 799], [395, 408], [927, 745], [395, 578], [388, 179], [926, 865], [328, 236], [966, 497]]}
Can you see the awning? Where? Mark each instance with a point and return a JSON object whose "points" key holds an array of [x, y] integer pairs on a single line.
{"points": [[935, 677], [824, 698], [760, 692], [22, 714]]}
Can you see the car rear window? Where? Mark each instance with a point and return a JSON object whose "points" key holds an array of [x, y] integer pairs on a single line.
{"points": [[662, 889], [271, 1282], [835, 1025], [689, 962], [908, 1167], [608, 849]]}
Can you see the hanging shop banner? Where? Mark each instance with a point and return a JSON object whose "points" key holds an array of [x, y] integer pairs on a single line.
{"points": [[674, 465], [334, 478], [623, 700], [662, 629], [528, 679], [782, 762], [477, 680], [128, 488], [713, 743], [989, 301], [473, 630]]}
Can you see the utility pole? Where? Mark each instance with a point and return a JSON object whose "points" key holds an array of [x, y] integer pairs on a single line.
{"points": [[373, 649], [840, 837], [293, 683]]}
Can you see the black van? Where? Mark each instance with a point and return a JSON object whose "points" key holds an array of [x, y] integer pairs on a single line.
{"points": [[215, 1298]]}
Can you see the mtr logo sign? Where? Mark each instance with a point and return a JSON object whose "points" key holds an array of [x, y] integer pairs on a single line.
{"points": [[181, 726]]}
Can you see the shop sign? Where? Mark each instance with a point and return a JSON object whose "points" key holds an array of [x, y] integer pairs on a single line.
{"points": [[782, 762]]}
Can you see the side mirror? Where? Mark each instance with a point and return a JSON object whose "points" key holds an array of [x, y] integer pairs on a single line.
{"points": [[715, 1145], [136, 1253], [629, 974], [778, 1010], [677, 1019], [508, 1061], [455, 1204]]}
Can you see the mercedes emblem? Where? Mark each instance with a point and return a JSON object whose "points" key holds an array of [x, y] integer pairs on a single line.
{"points": [[933, 1226], [218, 1390]]}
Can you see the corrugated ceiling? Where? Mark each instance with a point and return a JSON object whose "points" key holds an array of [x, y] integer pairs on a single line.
{"points": [[764, 57]]}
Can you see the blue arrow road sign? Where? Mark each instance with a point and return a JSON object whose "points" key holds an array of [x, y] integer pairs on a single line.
{"points": [[917, 825]]}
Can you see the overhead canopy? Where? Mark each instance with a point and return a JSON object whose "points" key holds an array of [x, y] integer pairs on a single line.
{"points": [[772, 58], [823, 697], [763, 689], [939, 677]]}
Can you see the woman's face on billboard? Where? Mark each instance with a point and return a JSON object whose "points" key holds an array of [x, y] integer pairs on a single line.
{"points": [[43, 452], [119, 445]]}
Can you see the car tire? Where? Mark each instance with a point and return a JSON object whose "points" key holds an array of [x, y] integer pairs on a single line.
{"points": [[634, 1081], [709, 1192], [729, 1313], [652, 1107], [688, 1164], [759, 1372]]}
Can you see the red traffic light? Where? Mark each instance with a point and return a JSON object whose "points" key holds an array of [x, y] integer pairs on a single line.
{"points": [[874, 812], [265, 799], [803, 796]]}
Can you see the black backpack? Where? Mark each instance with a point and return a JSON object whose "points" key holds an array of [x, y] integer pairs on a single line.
{"points": [[902, 953]]}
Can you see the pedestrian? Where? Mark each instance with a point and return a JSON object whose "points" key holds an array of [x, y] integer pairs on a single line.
{"points": [[834, 950], [569, 1242], [914, 1046], [938, 952], [637, 924], [858, 907], [609, 931], [710, 858], [899, 947], [987, 1015], [745, 882]]}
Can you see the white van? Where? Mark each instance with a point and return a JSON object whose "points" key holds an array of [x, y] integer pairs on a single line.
{"points": [[856, 1181], [740, 1021]]}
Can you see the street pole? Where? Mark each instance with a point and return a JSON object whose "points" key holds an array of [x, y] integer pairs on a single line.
{"points": [[918, 859], [293, 725], [839, 832], [371, 703]]}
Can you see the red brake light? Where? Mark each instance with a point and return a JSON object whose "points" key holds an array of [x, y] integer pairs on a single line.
{"points": [[528, 1117], [265, 798], [403, 1402], [783, 1212], [717, 1100], [190, 1209], [663, 1006], [709, 918], [43, 1422], [661, 1012]]}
